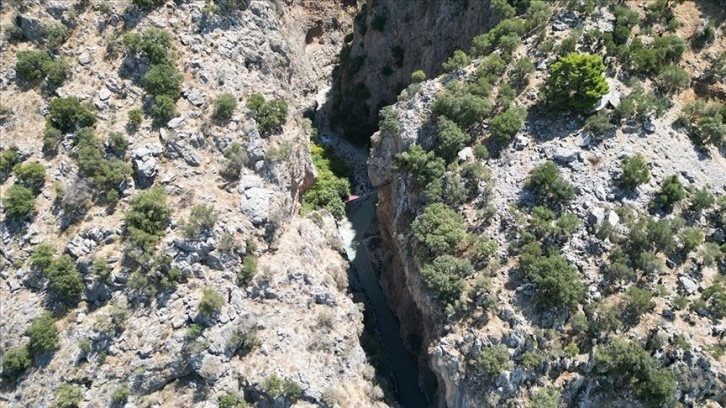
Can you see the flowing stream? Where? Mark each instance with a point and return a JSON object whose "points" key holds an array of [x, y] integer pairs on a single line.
{"points": [[403, 365]]}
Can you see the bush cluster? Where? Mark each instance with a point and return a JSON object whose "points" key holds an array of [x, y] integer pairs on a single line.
{"points": [[633, 367], [68, 396], [269, 115], [162, 80], [705, 122], [548, 186], [634, 172], [8, 159], [70, 114], [33, 66], [224, 106], [671, 192], [18, 202], [104, 169], [16, 361], [64, 280], [211, 302], [146, 218], [556, 282], [332, 185], [462, 104], [201, 220], [493, 360], [43, 334]]}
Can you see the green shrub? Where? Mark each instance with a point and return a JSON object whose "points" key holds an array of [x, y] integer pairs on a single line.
{"points": [[671, 192], [148, 4], [715, 295], [106, 173], [425, 167], [504, 126], [55, 35], [15, 361], [531, 359], [163, 80], [599, 124], [461, 106], [538, 14], [114, 323], [418, 76], [202, 219], [578, 323], [485, 44], [329, 189], [269, 115], [493, 360], [120, 395], [706, 123], [556, 282], [634, 172], [291, 390], [660, 235], [136, 115], [29, 65], [211, 302], [439, 230], [521, 70], [42, 256], [480, 151], [69, 114], [457, 61], [576, 82], [546, 398], [548, 187], [101, 269], [231, 401], [224, 106], [638, 301], [702, 200], [64, 280], [450, 138], [19, 202], [31, 175], [153, 43], [445, 277], [673, 79], [118, 144], [147, 217], [633, 367], [235, 159], [640, 104], [691, 238], [68, 396], [43, 334], [706, 36], [57, 71], [8, 159]]}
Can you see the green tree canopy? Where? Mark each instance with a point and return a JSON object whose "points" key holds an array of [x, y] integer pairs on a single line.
{"points": [[576, 82]]}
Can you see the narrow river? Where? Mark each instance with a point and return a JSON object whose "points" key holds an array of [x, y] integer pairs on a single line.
{"points": [[403, 364]]}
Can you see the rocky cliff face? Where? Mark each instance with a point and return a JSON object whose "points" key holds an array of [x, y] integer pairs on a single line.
{"points": [[392, 39], [293, 322], [451, 341]]}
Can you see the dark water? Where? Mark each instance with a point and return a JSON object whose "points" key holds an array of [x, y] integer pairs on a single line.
{"points": [[404, 365]]}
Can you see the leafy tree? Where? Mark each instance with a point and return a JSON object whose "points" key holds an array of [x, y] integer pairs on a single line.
{"points": [[634, 172], [153, 43], [18, 202], [538, 14], [640, 104], [42, 256], [68, 396], [29, 65], [486, 43], [15, 361], [31, 175], [461, 106], [673, 79], [505, 125], [64, 280], [501, 9], [43, 334], [224, 106], [69, 114], [425, 167], [715, 295], [269, 115], [147, 216], [450, 138], [57, 71], [8, 159], [556, 282], [633, 367], [457, 61], [445, 277], [418, 76], [163, 79], [235, 158], [329, 189], [671, 192], [599, 124], [439, 230], [706, 123], [548, 187], [493, 360], [576, 81]]}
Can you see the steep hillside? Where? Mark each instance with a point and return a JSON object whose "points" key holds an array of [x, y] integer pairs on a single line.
{"points": [[545, 254], [152, 252]]}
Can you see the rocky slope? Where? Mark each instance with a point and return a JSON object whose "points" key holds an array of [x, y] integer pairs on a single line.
{"points": [[293, 322], [452, 340]]}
